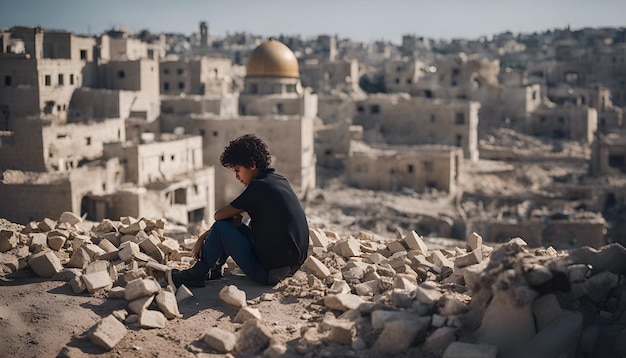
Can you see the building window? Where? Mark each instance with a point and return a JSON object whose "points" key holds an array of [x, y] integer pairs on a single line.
{"points": [[374, 109], [242, 110], [162, 158], [151, 54], [408, 81], [542, 119], [166, 86], [181, 85], [83, 54], [561, 120], [460, 118], [409, 168], [121, 74], [172, 157], [360, 108], [180, 71], [88, 141], [290, 88], [47, 80], [279, 108], [201, 131], [459, 140], [215, 133], [166, 71], [61, 79], [397, 80], [253, 88], [72, 79], [7, 81]]}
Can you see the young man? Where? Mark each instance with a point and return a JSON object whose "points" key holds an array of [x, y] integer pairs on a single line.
{"points": [[275, 244]]}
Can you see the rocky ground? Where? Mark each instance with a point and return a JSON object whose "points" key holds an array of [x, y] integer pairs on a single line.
{"points": [[381, 281]]}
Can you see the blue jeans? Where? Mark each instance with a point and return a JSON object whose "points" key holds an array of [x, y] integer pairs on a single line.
{"points": [[223, 240]]}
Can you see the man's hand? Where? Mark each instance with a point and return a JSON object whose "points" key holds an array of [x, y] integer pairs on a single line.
{"points": [[197, 248], [237, 220]]}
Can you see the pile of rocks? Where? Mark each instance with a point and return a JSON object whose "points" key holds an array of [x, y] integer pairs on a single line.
{"points": [[375, 296]]}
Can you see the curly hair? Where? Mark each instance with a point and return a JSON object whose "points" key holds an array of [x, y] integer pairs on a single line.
{"points": [[246, 151]]}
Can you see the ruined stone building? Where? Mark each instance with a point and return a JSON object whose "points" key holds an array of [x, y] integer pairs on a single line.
{"points": [[392, 168], [66, 102]]}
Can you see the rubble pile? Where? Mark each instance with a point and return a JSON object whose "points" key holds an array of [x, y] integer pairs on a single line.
{"points": [[373, 296]]}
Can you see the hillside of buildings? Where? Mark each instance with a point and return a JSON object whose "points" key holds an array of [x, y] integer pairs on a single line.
{"points": [[464, 195]]}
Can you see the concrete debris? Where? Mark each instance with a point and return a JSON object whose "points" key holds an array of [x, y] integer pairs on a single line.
{"points": [[233, 296], [384, 296], [220, 340], [108, 332]]}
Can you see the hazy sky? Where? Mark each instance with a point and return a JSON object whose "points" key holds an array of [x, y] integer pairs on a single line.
{"points": [[361, 20]]}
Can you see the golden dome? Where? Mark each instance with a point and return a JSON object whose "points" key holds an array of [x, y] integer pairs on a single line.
{"points": [[272, 58]]}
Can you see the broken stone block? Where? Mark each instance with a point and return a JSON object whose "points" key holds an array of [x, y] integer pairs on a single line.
{"points": [[220, 340], [97, 281], [150, 246], [506, 323], [140, 304], [439, 259], [610, 257], [46, 225], [98, 265], [427, 294], [341, 331], [77, 284], [38, 242], [398, 335], [141, 287], [183, 293], [452, 306], [116, 292], [133, 228], [404, 283], [470, 258], [316, 267], [349, 247], [545, 310], [80, 240], [8, 240], [109, 249], [396, 246], [128, 250], [93, 250], [70, 218], [152, 319], [253, 338], [108, 332], [67, 274], [318, 238], [353, 273], [30, 228], [339, 286], [276, 350], [45, 264], [469, 350], [169, 245], [11, 262], [440, 339], [342, 301], [474, 241], [56, 242], [121, 315], [415, 242], [233, 296], [368, 288], [167, 304], [79, 259], [246, 313], [132, 319], [559, 339]]}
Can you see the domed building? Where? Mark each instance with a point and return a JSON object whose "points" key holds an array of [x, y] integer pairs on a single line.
{"points": [[274, 106]]}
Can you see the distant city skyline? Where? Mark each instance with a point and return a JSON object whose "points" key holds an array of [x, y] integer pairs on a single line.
{"points": [[359, 20]]}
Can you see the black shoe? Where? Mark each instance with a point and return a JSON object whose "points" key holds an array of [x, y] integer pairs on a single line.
{"points": [[188, 278], [216, 272]]}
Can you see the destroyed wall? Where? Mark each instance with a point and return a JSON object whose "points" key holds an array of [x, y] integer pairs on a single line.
{"points": [[402, 76], [330, 77], [391, 169], [608, 155], [566, 122], [332, 144], [289, 139], [398, 119], [335, 108], [125, 48], [92, 103]]}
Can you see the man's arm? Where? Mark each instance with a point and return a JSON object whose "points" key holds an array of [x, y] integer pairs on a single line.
{"points": [[227, 212]]}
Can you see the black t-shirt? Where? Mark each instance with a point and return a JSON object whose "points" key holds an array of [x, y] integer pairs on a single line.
{"points": [[280, 232]]}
